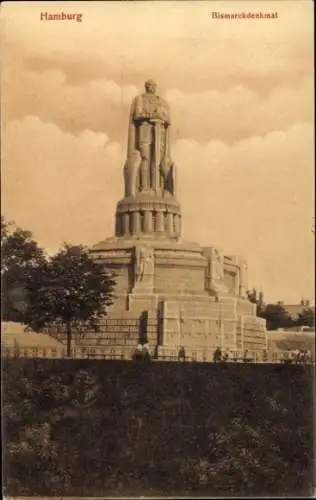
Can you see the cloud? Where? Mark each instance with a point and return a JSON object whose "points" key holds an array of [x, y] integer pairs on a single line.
{"points": [[102, 105], [113, 92], [241, 105], [95, 105], [93, 139], [253, 198], [239, 112], [180, 46]]}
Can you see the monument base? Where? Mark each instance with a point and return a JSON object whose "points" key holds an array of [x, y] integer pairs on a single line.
{"points": [[172, 307]]}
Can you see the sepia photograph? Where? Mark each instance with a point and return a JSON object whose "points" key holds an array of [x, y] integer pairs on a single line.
{"points": [[157, 249]]}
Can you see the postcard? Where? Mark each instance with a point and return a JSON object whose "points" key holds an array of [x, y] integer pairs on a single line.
{"points": [[158, 244]]}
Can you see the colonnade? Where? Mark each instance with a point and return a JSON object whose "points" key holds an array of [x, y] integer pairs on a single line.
{"points": [[148, 222]]}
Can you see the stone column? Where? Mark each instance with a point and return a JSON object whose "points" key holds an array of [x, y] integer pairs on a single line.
{"points": [[165, 222], [160, 222], [126, 223], [177, 224], [170, 223], [135, 222], [148, 222], [141, 221], [118, 225], [180, 224]]}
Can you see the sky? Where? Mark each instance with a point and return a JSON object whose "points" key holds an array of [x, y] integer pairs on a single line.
{"points": [[241, 98]]}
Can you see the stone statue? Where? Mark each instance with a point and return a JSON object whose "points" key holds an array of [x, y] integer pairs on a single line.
{"points": [[148, 165], [243, 275], [215, 273], [217, 266], [144, 264], [131, 169]]}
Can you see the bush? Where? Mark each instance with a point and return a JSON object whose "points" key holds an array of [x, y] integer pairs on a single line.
{"points": [[83, 427]]}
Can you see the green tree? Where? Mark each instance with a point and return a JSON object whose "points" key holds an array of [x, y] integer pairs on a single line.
{"points": [[20, 256], [306, 317], [70, 288], [277, 317], [4, 228]]}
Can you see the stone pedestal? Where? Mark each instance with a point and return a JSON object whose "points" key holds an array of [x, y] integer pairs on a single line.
{"points": [[139, 302], [174, 293]]}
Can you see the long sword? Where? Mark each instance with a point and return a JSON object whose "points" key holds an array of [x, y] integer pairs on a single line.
{"points": [[157, 153]]}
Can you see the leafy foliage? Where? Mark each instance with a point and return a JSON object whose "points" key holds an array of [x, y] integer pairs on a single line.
{"points": [[306, 317], [70, 288], [275, 315], [20, 257], [82, 427]]}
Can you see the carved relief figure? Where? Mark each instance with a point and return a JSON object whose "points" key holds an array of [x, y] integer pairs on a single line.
{"points": [[148, 164], [144, 263], [217, 274], [243, 275]]}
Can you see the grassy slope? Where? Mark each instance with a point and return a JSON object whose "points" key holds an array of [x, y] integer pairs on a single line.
{"points": [[88, 427]]}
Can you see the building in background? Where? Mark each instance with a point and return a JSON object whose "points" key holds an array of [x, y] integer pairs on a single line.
{"points": [[296, 309]]}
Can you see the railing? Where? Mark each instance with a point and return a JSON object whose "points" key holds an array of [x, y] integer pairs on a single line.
{"points": [[20, 352], [234, 357], [34, 352]]}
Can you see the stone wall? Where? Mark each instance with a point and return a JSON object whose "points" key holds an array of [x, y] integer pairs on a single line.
{"points": [[200, 323], [251, 334], [246, 308], [182, 280], [123, 277]]}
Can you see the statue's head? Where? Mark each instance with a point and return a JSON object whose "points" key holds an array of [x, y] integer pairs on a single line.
{"points": [[150, 86]]}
